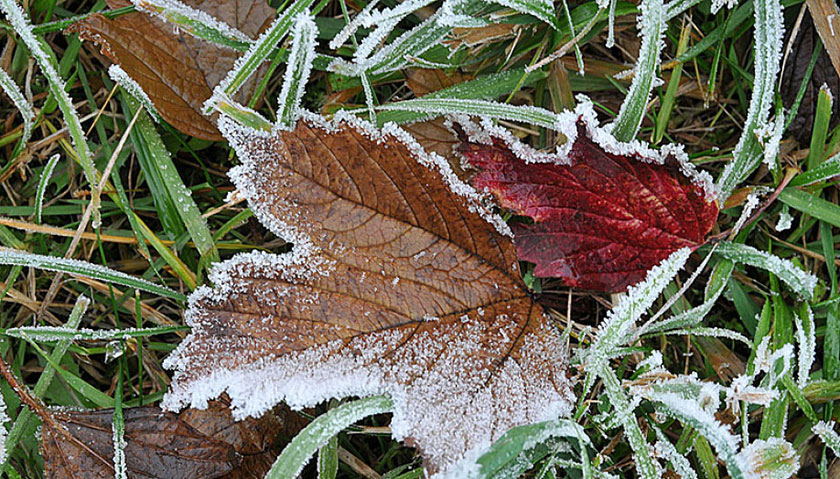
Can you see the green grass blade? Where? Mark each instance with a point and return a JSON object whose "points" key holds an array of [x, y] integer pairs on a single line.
{"points": [[822, 117], [85, 269], [42, 186], [444, 106], [768, 43], [304, 34], [633, 108], [812, 205], [158, 164], [297, 453], [259, 51], [797, 279], [24, 107]]}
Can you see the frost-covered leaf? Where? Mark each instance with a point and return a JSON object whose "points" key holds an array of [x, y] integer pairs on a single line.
{"points": [[175, 69], [397, 284], [604, 212]]}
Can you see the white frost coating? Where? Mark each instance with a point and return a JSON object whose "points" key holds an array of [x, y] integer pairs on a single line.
{"points": [[120, 469], [785, 220], [42, 185], [73, 266], [164, 9], [718, 4], [742, 389], [344, 34], [373, 39], [449, 17], [298, 68], [57, 333], [807, 343], [24, 107], [714, 332], [133, 88], [664, 449], [716, 433], [773, 458], [566, 122], [618, 323], [3, 433], [825, 430], [426, 407], [825, 89], [770, 137]]}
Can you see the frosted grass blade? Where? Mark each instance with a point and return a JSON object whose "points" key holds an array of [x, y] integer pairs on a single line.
{"points": [[542, 9], [307, 442], [633, 108], [768, 43], [446, 106], [24, 107], [259, 51], [826, 170], [23, 28], [798, 280], [83, 268], [298, 68], [62, 333], [194, 22], [42, 186], [825, 430]]}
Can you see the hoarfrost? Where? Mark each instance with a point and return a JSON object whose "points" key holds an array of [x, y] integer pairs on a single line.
{"points": [[120, 469], [304, 34], [825, 430], [770, 136], [807, 343], [133, 88], [4, 418], [24, 107], [667, 451], [718, 4], [773, 458], [785, 220], [566, 123]]}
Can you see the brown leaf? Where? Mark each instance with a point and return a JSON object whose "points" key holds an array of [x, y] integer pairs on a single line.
{"points": [[396, 285], [79, 444], [195, 444], [177, 71], [793, 74], [422, 81], [480, 36]]}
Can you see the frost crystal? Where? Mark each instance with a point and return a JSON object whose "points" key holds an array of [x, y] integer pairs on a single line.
{"points": [[807, 342], [785, 220], [133, 88], [3, 433]]}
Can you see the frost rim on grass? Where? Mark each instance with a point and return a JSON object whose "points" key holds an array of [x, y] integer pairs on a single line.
{"points": [[118, 75]]}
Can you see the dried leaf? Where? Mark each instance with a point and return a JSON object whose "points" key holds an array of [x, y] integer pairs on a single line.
{"points": [[79, 445], [793, 74], [195, 444], [396, 285], [422, 81], [480, 36], [177, 71], [601, 219]]}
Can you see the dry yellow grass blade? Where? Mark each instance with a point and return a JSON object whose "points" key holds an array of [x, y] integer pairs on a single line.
{"points": [[826, 17]]}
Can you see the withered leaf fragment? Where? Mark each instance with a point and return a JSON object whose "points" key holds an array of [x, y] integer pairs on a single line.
{"points": [[158, 445], [396, 285], [195, 444], [603, 212], [176, 70]]}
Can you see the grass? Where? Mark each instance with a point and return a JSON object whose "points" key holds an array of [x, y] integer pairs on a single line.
{"points": [[166, 217]]}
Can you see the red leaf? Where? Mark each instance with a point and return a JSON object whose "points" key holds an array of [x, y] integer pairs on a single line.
{"points": [[602, 219]]}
